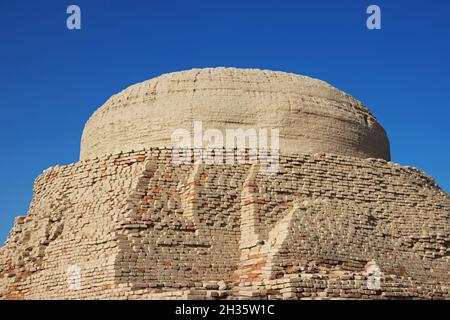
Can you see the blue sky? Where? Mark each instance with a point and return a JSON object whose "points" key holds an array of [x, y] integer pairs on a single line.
{"points": [[52, 79]]}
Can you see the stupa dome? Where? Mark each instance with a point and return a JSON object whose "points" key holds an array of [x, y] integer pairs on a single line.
{"points": [[311, 115]]}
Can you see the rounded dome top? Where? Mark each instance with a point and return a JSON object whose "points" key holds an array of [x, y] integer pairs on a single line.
{"points": [[311, 115]]}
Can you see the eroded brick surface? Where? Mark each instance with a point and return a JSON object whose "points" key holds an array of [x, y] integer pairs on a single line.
{"points": [[140, 227]]}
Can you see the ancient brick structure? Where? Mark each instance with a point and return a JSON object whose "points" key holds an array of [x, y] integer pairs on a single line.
{"points": [[338, 220]]}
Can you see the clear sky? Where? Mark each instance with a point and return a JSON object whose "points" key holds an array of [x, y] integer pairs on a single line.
{"points": [[52, 79]]}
